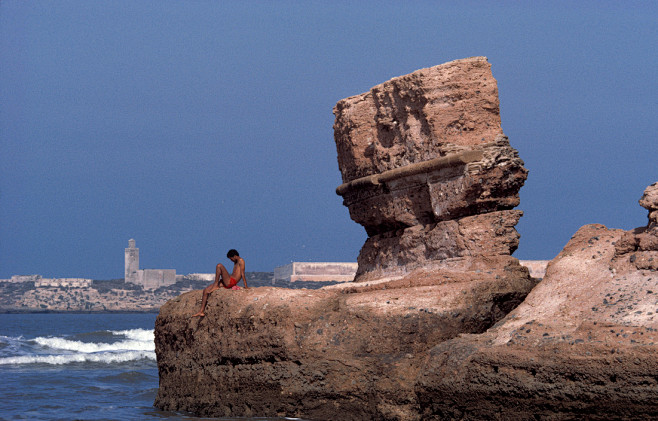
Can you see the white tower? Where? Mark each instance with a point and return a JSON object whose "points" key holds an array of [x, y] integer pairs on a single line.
{"points": [[132, 262]]}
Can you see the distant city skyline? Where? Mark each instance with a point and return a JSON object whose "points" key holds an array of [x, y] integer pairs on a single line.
{"points": [[199, 127]]}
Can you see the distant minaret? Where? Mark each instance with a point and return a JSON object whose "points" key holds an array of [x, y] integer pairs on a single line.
{"points": [[132, 261]]}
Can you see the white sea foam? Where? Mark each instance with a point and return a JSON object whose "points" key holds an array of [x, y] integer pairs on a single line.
{"points": [[133, 344], [137, 334], [101, 357], [89, 347], [10, 338], [138, 339]]}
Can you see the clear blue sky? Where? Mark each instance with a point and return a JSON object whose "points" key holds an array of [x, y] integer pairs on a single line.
{"points": [[195, 127]]}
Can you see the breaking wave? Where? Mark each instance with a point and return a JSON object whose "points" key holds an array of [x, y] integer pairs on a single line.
{"points": [[97, 347]]}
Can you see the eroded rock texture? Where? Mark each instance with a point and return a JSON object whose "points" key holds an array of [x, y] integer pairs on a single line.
{"points": [[348, 352], [583, 344], [427, 169]]}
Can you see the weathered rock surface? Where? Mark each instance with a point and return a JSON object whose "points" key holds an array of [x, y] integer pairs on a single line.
{"points": [[350, 351], [423, 158], [583, 344]]}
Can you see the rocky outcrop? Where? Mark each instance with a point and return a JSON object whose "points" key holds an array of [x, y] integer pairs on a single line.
{"points": [[428, 171], [583, 344], [438, 325], [350, 351]]}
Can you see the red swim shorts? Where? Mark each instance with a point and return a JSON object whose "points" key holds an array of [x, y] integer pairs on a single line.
{"points": [[231, 283]]}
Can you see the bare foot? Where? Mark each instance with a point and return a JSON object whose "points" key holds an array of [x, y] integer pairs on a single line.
{"points": [[199, 314]]}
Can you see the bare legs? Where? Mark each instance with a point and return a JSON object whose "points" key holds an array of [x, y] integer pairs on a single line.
{"points": [[221, 276], [206, 292]]}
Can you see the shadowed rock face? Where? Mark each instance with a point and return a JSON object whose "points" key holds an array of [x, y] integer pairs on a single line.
{"points": [[422, 157]]}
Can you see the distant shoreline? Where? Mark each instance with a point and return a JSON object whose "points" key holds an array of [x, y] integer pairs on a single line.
{"points": [[40, 311]]}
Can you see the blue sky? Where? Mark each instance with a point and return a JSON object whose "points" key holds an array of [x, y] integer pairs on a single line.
{"points": [[195, 127]]}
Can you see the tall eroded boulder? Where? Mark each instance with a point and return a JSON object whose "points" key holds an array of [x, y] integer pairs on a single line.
{"points": [[428, 171]]}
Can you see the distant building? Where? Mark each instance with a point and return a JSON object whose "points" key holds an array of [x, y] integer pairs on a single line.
{"points": [[131, 262], [201, 276], [63, 282], [345, 272], [147, 278], [316, 271], [537, 268], [24, 278]]}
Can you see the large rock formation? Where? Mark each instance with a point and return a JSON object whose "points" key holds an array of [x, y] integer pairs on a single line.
{"points": [[349, 352], [584, 343], [428, 171]]}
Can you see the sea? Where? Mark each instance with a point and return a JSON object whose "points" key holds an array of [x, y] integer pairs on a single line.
{"points": [[65, 366]]}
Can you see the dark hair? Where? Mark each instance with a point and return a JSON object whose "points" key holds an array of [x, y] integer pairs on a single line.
{"points": [[232, 252]]}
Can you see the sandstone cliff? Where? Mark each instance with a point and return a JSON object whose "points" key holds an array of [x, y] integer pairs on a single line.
{"points": [[430, 175]]}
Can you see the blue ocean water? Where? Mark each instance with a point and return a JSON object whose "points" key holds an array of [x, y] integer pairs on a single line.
{"points": [[79, 367]]}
